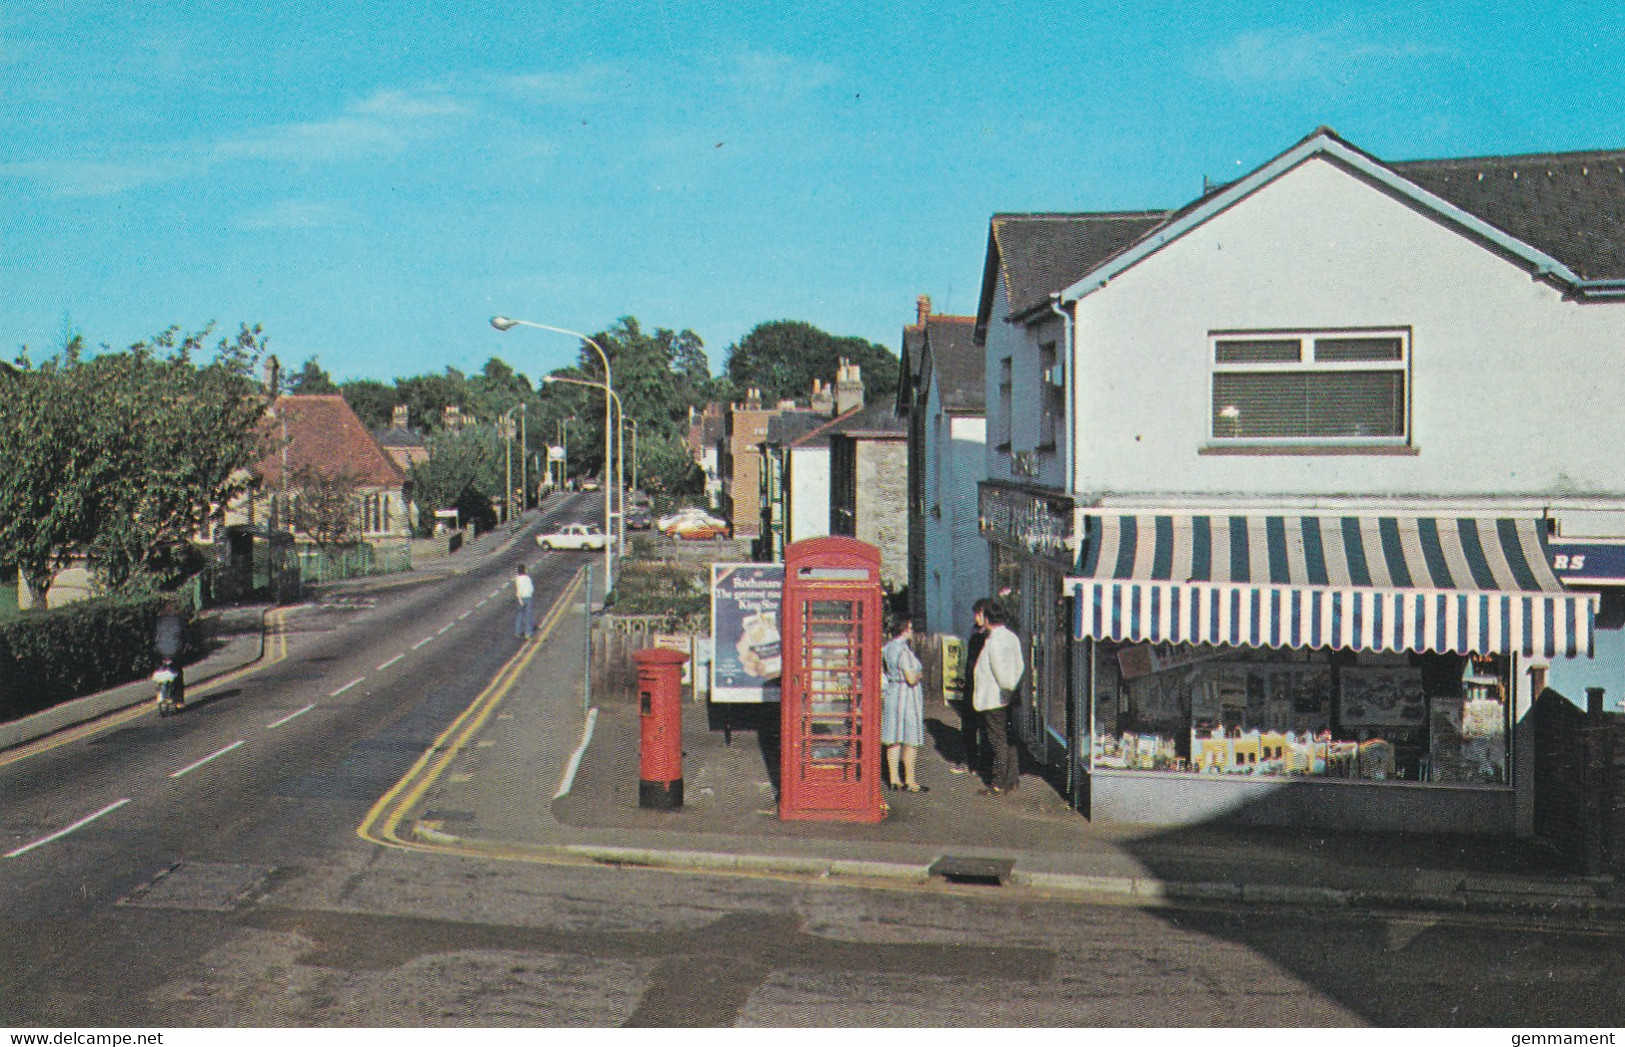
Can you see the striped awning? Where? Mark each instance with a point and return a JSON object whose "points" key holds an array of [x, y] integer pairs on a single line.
{"points": [[1380, 583]]}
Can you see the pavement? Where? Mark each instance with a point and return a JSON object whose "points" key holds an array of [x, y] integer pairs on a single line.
{"points": [[536, 770]]}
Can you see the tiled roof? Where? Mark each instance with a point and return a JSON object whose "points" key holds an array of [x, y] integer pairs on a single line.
{"points": [[1569, 205], [791, 426], [876, 421], [818, 435], [325, 434], [1039, 254], [399, 437], [958, 361]]}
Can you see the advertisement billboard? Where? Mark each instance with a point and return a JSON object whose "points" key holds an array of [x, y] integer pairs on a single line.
{"points": [[745, 601]]}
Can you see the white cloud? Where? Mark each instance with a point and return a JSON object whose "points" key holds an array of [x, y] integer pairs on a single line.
{"points": [[768, 74], [383, 124], [84, 177], [292, 214], [1275, 57]]}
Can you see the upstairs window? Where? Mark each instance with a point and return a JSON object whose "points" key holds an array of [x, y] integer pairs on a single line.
{"points": [[1331, 386]]}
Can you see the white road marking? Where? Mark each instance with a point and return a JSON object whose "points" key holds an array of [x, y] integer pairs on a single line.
{"points": [[347, 686], [212, 756], [483, 602], [575, 757], [421, 642], [465, 614], [290, 716], [445, 628], [80, 824], [391, 662]]}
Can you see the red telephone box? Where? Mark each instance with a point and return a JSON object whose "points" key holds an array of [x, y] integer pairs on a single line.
{"points": [[829, 704]]}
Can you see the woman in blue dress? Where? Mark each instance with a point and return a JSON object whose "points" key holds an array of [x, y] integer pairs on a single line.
{"points": [[902, 708]]}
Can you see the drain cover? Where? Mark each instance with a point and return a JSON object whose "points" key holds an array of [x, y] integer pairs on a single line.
{"points": [[208, 886], [957, 868]]}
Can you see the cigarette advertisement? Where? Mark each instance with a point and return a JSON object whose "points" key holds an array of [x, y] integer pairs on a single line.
{"points": [[745, 602]]}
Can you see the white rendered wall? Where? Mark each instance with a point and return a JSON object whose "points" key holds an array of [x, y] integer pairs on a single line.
{"points": [[956, 556], [806, 492], [1514, 391]]}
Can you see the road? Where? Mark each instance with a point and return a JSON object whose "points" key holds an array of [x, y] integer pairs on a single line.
{"points": [[219, 881]]}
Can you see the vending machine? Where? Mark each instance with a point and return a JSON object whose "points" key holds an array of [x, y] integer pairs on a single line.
{"points": [[831, 635]]}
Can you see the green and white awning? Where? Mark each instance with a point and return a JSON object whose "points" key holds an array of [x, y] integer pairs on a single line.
{"points": [[1384, 583]]}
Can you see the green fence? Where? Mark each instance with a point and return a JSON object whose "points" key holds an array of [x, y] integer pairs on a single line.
{"points": [[363, 561]]}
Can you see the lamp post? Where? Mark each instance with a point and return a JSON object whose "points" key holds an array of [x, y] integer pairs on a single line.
{"points": [[504, 323], [507, 464], [633, 422], [620, 449]]}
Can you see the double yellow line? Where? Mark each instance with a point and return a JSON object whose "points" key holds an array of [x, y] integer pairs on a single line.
{"points": [[275, 649], [383, 823]]}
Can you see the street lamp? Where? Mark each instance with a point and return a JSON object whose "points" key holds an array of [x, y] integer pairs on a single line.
{"points": [[620, 448], [507, 479], [503, 323]]}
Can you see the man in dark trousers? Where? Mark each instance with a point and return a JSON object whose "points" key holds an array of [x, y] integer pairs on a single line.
{"points": [[998, 672], [970, 724]]}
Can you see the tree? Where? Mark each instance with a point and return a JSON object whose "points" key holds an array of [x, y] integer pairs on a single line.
{"points": [[43, 488], [124, 455], [373, 402], [429, 395], [311, 380], [174, 443], [463, 471], [326, 507], [781, 358]]}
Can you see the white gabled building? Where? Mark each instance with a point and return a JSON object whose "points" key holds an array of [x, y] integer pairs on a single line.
{"points": [[941, 395], [1278, 481]]}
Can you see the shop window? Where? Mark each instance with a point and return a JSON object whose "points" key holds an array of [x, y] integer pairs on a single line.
{"points": [[1338, 386], [1257, 712]]}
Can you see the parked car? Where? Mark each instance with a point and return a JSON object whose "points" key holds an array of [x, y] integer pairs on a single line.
{"points": [[590, 484], [693, 524], [573, 536], [639, 518]]}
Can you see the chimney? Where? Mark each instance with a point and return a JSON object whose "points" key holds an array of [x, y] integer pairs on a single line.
{"points": [[273, 376], [848, 387], [922, 309], [401, 417], [753, 399]]}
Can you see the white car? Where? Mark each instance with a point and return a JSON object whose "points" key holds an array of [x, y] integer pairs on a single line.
{"points": [[573, 536]]}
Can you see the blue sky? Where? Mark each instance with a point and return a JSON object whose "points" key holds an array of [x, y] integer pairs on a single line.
{"points": [[372, 182]]}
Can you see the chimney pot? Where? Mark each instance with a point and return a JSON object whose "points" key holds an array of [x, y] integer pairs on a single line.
{"points": [[922, 308]]}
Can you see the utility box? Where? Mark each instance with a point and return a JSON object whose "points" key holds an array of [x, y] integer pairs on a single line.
{"points": [[660, 715], [829, 761]]}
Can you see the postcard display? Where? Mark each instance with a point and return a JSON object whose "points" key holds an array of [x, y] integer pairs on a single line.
{"points": [[1301, 713]]}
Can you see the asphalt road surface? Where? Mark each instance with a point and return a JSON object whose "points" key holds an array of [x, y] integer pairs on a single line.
{"points": [[205, 870]]}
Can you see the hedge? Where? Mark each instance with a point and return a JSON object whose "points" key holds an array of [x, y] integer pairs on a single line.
{"points": [[79, 649]]}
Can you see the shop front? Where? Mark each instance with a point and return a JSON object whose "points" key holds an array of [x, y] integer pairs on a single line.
{"points": [[1352, 672], [1029, 533]]}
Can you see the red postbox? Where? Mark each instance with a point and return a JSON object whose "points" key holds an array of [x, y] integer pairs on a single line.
{"points": [[660, 708], [829, 703]]}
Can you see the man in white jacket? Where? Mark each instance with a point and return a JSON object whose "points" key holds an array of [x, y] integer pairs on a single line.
{"points": [[994, 680]]}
